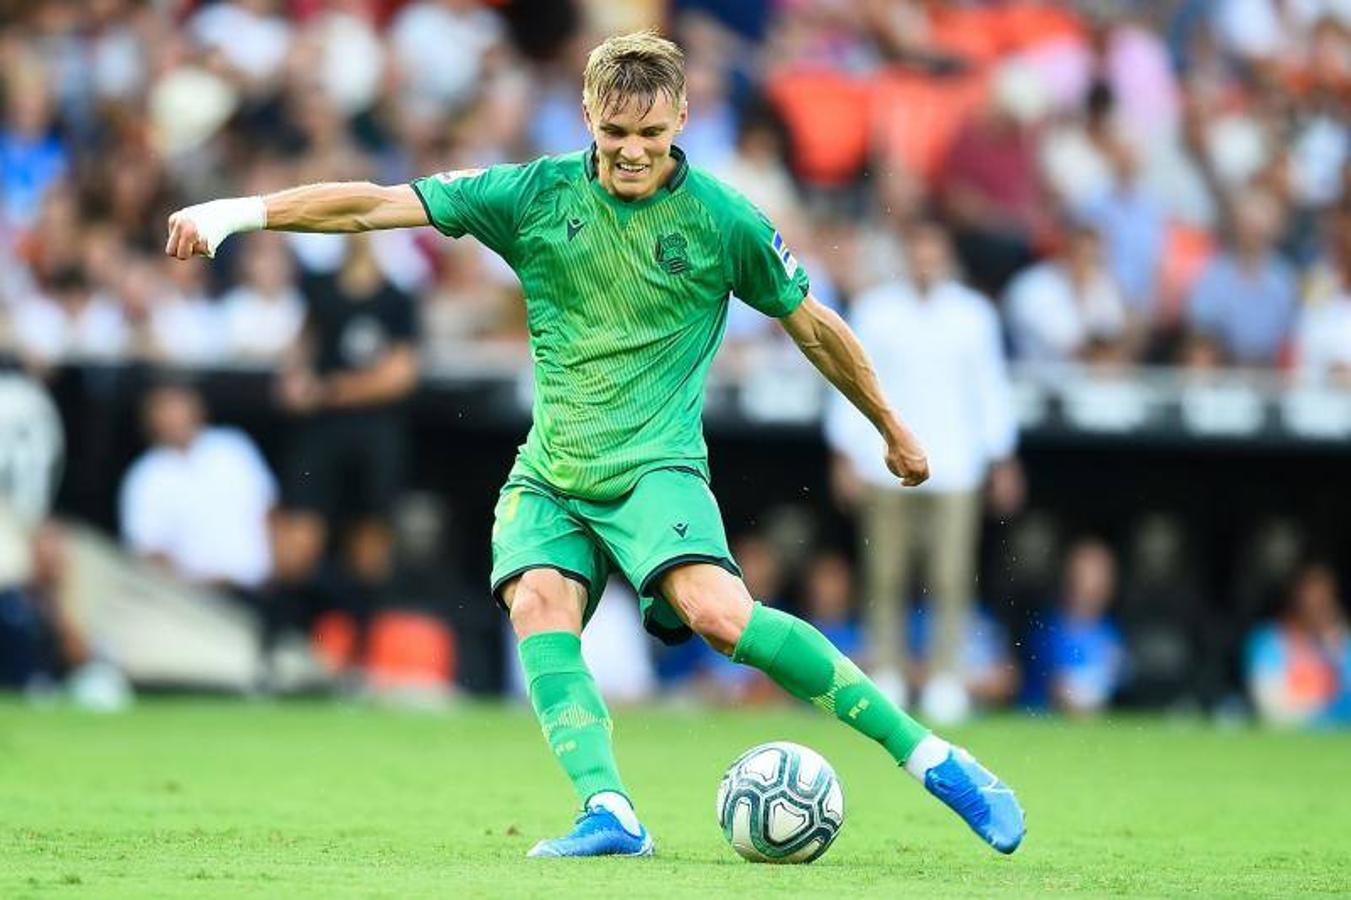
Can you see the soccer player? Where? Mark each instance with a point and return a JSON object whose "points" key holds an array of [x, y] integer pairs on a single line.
{"points": [[627, 255]]}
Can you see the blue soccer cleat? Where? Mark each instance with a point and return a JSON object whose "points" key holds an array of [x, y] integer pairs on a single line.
{"points": [[596, 832], [982, 800]]}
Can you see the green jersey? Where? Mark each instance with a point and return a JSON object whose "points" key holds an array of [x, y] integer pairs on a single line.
{"points": [[626, 304]]}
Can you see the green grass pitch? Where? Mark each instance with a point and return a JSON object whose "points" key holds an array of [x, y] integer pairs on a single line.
{"points": [[226, 799]]}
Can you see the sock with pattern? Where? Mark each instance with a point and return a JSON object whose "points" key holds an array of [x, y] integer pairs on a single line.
{"points": [[804, 663], [571, 712]]}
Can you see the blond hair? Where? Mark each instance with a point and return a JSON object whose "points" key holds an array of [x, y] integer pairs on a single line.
{"points": [[640, 65]]}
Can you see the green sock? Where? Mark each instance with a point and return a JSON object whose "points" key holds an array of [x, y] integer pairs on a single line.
{"points": [[805, 664], [570, 711]]}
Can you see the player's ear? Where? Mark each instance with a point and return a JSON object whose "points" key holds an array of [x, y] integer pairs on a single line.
{"points": [[683, 116], [586, 117]]}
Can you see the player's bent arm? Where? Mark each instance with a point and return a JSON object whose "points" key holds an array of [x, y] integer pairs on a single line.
{"points": [[834, 349], [329, 207]]}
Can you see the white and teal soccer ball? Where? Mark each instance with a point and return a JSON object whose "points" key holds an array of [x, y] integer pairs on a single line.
{"points": [[780, 803]]}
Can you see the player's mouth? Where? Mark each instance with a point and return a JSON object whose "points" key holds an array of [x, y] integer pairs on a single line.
{"points": [[631, 171]]}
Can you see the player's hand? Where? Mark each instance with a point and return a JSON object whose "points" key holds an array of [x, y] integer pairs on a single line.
{"points": [[185, 237], [198, 230], [906, 458]]}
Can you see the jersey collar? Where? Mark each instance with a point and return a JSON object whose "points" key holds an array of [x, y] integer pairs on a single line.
{"points": [[672, 184]]}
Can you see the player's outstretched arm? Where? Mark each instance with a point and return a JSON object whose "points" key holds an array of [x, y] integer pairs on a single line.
{"points": [[330, 207], [835, 350]]}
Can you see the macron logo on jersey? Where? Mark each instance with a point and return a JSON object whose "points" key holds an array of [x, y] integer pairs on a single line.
{"points": [[785, 255]]}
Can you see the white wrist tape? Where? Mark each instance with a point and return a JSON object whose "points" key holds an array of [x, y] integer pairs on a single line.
{"points": [[218, 219]]}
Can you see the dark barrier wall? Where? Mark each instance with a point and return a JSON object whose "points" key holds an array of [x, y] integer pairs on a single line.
{"points": [[1218, 494]]}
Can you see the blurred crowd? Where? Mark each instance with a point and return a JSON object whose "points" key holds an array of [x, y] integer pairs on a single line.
{"points": [[1098, 183], [1133, 182]]}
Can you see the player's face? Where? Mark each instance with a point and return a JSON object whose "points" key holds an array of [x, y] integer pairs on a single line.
{"points": [[633, 144]]}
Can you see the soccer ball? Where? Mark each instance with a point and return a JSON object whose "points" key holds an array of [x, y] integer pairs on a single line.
{"points": [[780, 803]]}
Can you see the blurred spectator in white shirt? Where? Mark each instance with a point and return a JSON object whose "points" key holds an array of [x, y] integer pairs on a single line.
{"points": [[1323, 333], [1067, 308], [69, 322], [937, 349], [441, 48], [185, 326], [343, 49], [197, 501], [248, 34], [263, 315]]}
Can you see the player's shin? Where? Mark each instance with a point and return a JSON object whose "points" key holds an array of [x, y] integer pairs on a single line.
{"points": [[802, 661], [571, 712]]}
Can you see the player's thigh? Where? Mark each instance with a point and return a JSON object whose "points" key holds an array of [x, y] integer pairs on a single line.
{"points": [[669, 519], [533, 530]]}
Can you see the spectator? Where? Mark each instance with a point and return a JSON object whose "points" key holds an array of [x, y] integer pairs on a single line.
{"points": [[826, 601], [1323, 335], [989, 673], [1129, 219], [39, 642], [196, 502], [937, 348], [1078, 659], [990, 189], [185, 326], [263, 315], [69, 322], [419, 37], [350, 374], [1244, 301], [1067, 308], [1299, 668], [32, 155]]}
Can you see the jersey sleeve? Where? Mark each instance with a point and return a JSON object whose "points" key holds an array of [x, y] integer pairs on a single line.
{"points": [[485, 203], [763, 271]]}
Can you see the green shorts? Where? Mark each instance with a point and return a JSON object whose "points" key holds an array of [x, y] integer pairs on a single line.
{"points": [[669, 518]]}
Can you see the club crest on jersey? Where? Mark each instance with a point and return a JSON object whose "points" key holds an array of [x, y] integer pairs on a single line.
{"points": [[672, 253], [785, 255]]}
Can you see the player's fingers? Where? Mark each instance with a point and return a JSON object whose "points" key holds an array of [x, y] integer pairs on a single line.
{"points": [[187, 242], [175, 248]]}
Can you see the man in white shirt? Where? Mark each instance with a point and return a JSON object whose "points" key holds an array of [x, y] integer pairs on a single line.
{"points": [[197, 501], [1068, 308], [938, 352]]}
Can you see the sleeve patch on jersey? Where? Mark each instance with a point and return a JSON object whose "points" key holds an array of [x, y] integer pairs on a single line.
{"points": [[785, 255], [455, 175]]}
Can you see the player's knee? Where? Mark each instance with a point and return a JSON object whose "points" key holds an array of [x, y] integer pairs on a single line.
{"points": [[539, 602], [718, 620]]}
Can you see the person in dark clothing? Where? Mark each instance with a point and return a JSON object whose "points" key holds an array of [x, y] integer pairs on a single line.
{"points": [[346, 384]]}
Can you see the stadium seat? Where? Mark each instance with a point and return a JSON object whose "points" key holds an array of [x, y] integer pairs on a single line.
{"points": [[409, 649]]}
